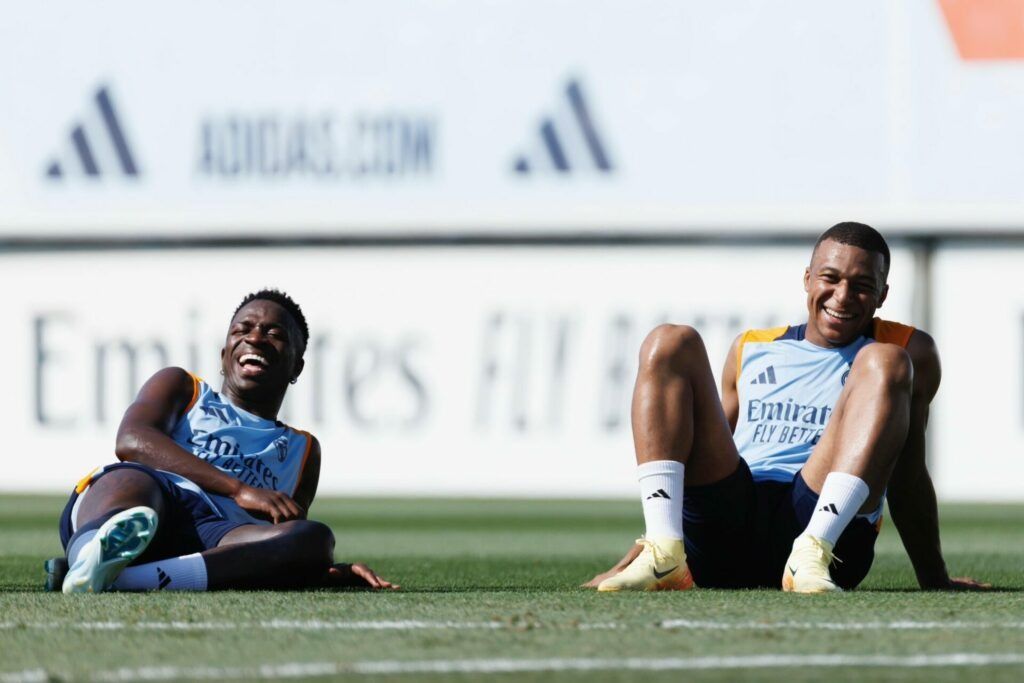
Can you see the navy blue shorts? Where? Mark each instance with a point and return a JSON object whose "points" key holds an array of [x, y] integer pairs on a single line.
{"points": [[739, 532], [188, 525]]}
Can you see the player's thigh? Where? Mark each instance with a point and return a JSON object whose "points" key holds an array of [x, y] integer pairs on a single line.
{"points": [[675, 356], [299, 532], [714, 455], [180, 513], [877, 368], [120, 487]]}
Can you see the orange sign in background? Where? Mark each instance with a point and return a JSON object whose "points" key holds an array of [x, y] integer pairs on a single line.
{"points": [[986, 29]]}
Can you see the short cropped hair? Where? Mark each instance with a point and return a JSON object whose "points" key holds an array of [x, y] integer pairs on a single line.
{"points": [[858, 235], [285, 302]]}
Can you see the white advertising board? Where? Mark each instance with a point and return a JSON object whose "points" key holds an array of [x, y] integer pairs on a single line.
{"points": [[471, 372], [978, 425], [377, 118]]}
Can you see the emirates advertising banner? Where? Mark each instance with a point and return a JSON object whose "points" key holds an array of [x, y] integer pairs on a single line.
{"points": [[978, 425], [314, 118], [469, 371]]}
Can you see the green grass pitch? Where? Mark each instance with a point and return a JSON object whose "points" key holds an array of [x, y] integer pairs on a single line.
{"points": [[490, 591]]}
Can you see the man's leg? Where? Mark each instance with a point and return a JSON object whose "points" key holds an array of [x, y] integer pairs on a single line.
{"points": [[289, 555], [295, 554], [851, 465], [681, 435], [117, 519]]}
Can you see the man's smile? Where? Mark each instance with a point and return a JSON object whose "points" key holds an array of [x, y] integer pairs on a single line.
{"points": [[838, 315], [253, 364]]}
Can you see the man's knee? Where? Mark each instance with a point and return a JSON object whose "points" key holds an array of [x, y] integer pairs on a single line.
{"points": [[124, 487], [313, 540], [886, 363], [670, 346]]}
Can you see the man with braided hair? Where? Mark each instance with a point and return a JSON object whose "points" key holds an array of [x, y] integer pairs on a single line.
{"points": [[211, 491]]}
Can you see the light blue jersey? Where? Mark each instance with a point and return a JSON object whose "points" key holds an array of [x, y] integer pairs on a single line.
{"points": [[788, 389], [259, 452]]}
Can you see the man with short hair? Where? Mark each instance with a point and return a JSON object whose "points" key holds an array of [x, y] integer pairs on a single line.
{"points": [[212, 490], [782, 481]]}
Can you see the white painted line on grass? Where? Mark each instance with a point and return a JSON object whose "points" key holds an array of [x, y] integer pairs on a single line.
{"points": [[273, 625], [684, 663], [496, 666], [838, 625], [401, 625], [27, 676], [417, 625]]}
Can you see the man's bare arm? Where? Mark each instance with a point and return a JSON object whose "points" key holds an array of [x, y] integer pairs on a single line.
{"points": [[143, 437], [306, 490], [730, 396], [911, 493]]}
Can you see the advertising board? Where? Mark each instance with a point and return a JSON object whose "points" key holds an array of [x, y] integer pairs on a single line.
{"points": [[384, 119], [472, 372], [978, 425]]}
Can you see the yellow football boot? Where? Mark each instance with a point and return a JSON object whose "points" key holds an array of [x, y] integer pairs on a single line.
{"points": [[660, 566], [807, 567]]}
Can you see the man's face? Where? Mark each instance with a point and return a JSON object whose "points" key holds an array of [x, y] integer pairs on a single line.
{"points": [[262, 352], [844, 285]]}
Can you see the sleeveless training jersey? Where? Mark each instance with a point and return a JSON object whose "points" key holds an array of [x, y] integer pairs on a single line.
{"points": [[259, 452], [788, 388]]}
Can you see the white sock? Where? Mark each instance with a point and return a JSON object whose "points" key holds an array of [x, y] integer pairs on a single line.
{"points": [[661, 493], [77, 543], [185, 573], [841, 497]]}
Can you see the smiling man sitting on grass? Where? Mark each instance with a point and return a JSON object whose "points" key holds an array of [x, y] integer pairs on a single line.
{"points": [[212, 490], [781, 482]]}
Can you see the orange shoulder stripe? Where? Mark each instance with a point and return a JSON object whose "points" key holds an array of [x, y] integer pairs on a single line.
{"points": [[84, 482], [766, 335], [892, 333], [195, 393]]}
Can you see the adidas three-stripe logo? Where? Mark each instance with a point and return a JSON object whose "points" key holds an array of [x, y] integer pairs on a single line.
{"points": [[164, 579], [660, 493], [766, 377], [97, 143], [568, 140], [831, 507]]}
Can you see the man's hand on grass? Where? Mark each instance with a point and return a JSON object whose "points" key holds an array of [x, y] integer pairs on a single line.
{"points": [[357, 575], [619, 566], [954, 583], [596, 581], [966, 583]]}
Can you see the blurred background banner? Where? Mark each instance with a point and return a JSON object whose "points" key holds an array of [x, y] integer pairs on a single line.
{"points": [[370, 118], [484, 207], [474, 371]]}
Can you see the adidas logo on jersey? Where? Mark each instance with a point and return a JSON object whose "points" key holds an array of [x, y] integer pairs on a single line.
{"points": [[569, 140], [831, 507], [766, 377], [660, 493], [98, 145]]}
